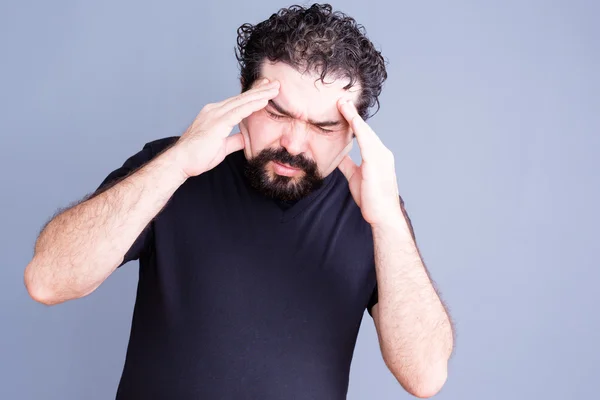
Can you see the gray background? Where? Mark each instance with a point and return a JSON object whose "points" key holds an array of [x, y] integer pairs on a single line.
{"points": [[491, 111]]}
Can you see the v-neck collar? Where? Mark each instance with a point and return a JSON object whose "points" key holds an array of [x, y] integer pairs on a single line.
{"points": [[293, 210]]}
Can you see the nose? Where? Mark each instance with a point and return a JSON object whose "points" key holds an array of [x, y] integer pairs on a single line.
{"points": [[295, 138]]}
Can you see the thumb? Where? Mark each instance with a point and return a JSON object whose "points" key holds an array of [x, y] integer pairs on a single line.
{"points": [[348, 167], [233, 143]]}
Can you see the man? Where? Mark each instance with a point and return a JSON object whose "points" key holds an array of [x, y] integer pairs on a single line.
{"points": [[260, 251]]}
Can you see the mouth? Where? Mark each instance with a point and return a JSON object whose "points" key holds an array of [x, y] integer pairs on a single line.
{"points": [[284, 169]]}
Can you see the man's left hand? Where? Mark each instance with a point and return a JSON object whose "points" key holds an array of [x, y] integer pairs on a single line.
{"points": [[372, 184]]}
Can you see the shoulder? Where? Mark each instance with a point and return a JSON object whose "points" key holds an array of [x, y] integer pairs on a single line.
{"points": [[158, 145], [134, 161], [148, 151]]}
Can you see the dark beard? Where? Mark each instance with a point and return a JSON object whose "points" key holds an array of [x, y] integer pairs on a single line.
{"points": [[279, 187]]}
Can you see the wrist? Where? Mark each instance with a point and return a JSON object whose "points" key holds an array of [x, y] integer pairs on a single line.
{"points": [[394, 222], [173, 160]]}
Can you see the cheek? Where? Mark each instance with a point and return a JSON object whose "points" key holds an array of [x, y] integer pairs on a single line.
{"points": [[260, 132]]}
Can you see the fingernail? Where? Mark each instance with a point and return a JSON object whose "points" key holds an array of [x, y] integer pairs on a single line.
{"points": [[264, 81]]}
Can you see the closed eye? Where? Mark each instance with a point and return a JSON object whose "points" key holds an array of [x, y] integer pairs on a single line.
{"points": [[279, 117], [325, 130], [275, 116]]}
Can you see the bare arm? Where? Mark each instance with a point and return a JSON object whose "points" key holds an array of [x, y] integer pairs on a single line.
{"points": [[83, 245], [414, 328]]}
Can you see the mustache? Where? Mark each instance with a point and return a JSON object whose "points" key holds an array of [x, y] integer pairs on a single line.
{"points": [[281, 155]]}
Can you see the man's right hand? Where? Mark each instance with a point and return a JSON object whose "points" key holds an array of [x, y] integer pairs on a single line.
{"points": [[206, 143]]}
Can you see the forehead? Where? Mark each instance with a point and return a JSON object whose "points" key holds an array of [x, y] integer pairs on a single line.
{"points": [[305, 93]]}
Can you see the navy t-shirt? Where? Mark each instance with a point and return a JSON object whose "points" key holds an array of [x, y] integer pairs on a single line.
{"points": [[241, 297]]}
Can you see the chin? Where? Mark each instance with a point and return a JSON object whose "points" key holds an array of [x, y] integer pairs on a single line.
{"points": [[268, 174]]}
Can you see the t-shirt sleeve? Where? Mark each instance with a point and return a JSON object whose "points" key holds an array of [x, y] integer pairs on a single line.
{"points": [[132, 164], [372, 301]]}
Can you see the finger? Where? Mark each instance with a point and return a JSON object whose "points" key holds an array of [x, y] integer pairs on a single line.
{"points": [[257, 86], [365, 136], [348, 167], [262, 85], [236, 115], [268, 91], [233, 143]]}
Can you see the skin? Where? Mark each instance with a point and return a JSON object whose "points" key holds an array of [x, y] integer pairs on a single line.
{"points": [[414, 329], [290, 120]]}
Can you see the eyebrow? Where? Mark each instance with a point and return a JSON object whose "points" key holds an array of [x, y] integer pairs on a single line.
{"points": [[281, 110]]}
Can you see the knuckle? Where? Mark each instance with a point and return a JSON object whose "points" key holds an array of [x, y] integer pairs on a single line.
{"points": [[234, 113], [208, 107]]}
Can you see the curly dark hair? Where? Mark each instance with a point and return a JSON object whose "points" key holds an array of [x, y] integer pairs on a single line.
{"points": [[314, 39]]}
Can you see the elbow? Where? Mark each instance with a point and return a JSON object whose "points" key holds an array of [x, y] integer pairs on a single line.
{"points": [[430, 385], [43, 297], [425, 383], [41, 294], [40, 289]]}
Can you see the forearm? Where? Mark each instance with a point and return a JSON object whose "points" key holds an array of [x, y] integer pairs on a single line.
{"points": [[416, 335], [82, 246]]}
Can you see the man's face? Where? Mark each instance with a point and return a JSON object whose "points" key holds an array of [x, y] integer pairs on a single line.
{"points": [[300, 137]]}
